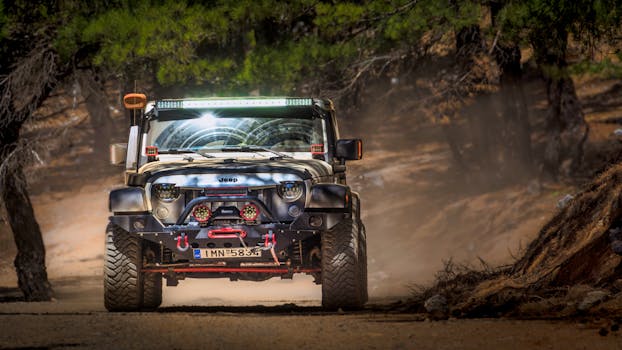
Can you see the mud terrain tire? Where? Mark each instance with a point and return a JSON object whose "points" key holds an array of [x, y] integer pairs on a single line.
{"points": [[342, 280], [123, 285], [363, 262], [152, 282], [152, 294], [362, 252]]}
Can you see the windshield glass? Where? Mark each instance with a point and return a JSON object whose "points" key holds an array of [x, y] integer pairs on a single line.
{"points": [[213, 132]]}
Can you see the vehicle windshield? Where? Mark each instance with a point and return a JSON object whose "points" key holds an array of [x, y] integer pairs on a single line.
{"points": [[225, 133]]}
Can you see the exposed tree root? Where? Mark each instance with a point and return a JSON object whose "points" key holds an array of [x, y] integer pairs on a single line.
{"points": [[573, 249]]}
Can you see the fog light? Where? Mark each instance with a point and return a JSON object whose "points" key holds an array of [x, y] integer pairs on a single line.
{"points": [[201, 213], [161, 213], [139, 224], [315, 221], [249, 212], [293, 211]]}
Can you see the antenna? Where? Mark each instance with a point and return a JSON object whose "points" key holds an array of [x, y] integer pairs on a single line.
{"points": [[133, 110]]}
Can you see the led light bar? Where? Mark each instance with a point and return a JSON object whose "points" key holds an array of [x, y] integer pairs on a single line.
{"points": [[233, 103]]}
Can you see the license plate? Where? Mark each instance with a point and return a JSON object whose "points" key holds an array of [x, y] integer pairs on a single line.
{"points": [[224, 253]]}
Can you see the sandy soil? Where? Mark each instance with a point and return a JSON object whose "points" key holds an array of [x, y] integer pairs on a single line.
{"points": [[77, 321], [230, 330]]}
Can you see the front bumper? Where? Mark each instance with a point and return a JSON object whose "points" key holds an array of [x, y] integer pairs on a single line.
{"points": [[182, 239]]}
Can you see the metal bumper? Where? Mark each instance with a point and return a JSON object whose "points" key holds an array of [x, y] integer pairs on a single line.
{"points": [[182, 239]]}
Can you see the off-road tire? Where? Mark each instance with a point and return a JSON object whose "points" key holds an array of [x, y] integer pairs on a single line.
{"points": [[152, 291], [123, 285], [152, 282], [363, 261], [341, 272], [362, 252]]}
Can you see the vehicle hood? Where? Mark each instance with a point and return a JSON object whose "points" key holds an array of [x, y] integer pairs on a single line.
{"points": [[304, 169]]}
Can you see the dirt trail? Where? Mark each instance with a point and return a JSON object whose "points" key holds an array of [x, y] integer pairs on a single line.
{"points": [[230, 330]]}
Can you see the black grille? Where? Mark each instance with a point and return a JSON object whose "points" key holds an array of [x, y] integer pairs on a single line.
{"points": [[221, 191]]}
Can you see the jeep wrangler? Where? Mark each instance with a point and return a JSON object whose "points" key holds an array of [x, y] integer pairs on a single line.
{"points": [[245, 189]]}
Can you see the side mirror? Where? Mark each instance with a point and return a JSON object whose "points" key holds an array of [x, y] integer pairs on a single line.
{"points": [[349, 149], [118, 153]]}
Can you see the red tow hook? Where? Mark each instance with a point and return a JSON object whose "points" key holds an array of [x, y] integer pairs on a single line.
{"points": [[267, 237], [185, 238], [271, 235]]}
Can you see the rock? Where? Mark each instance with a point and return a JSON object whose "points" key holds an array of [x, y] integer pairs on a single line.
{"points": [[578, 292], [615, 234], [612, 305], [562, 203], [616, 246], [592, 298], [436, 306], [534, 187]]}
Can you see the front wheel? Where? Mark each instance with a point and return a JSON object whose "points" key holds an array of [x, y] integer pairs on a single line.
{"points": [[123, 285], [363, 261], [342, 277], [126, 287]]}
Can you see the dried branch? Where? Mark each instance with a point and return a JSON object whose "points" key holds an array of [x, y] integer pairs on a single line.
{"points": [[28, 84]]}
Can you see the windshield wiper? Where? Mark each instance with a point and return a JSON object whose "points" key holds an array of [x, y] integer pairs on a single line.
{"points": [[204, 154], [175, 151], [184, 151], [254, 149]]}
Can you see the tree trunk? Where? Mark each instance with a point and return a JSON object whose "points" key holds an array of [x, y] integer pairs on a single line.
{"points": [[94, 94], [516, 130], [484, 128], [454, 145], [24, 89], [30, 260], [566, 128]]}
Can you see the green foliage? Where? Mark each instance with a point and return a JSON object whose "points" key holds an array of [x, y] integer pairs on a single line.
{"points": [[271, 45], [606, 68], [2, 21], [549, 21], [169, 33]]}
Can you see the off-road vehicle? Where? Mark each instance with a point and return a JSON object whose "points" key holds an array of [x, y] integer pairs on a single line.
{"points": [[245, 189]]}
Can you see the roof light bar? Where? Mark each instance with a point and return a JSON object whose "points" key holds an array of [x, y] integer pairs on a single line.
{"points": [[234, 103]]}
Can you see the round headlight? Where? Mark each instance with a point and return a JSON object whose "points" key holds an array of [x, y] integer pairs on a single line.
{"points": [[166, 192], [291, 191]]}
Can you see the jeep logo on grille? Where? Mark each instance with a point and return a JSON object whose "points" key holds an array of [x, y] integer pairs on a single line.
{"points": [[227, 179]]}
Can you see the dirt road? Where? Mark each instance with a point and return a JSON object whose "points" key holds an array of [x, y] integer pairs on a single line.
{"points": [[242, 330], [77, 320]]}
